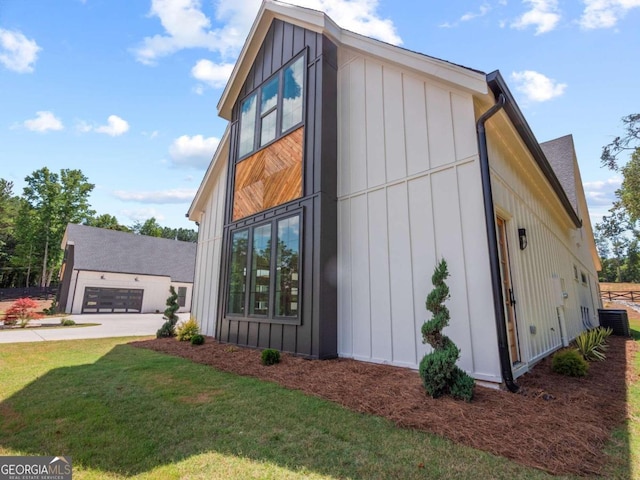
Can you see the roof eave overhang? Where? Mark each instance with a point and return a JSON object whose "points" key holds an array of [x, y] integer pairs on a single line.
{"points": [[498, 86], [219, 157], [319, 22]]}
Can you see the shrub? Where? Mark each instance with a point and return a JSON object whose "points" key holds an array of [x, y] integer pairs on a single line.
{"points": [[66, 322], [168, 328], [593, 343], [22, 311], [186, 330], [438, 369], [270, 356], [569, 362], [53, 309], [197, 339]]}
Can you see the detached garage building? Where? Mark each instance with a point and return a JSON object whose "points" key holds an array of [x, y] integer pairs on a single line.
{"points": [[107, 271]]}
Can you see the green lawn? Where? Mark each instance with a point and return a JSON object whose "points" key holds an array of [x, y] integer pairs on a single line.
{"points": [[120, 411]]}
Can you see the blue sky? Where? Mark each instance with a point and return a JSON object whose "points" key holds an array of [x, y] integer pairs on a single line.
{"points": [[126, 91]]}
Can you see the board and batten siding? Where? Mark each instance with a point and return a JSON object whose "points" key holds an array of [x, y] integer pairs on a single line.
{"points": [[409, 194], [525, 200], [207, 274]]}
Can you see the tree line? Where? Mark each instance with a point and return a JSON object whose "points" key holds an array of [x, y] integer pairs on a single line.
{"points": [[32, 225], [618, 234]]}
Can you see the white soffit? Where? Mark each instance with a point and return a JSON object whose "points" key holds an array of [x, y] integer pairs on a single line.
{"points": [[318, 22]]}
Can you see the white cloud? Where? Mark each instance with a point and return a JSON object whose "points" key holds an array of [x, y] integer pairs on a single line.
{"points": [[543, 15], [193, 151], [213, 74], [43, 122], [142, 214], [186, 25], [602, 192], [605, 13], [536, 87], [179, 195], [484, 9], [17, 52], [115, 126]]}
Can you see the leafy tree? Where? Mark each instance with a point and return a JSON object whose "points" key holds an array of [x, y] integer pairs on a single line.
{"points": [[150, 228], [612, 239], [9, 207], [52, 201], [106, 221], [629, 191], [625, 143]]}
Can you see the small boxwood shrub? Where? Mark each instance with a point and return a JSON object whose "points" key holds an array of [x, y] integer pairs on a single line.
{"points": [[186, 330], [270, 356], [569, 362], [197, 339], [66, 322]]}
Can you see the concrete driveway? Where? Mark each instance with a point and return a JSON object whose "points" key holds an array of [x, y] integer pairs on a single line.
{"points": [[111, 325]]}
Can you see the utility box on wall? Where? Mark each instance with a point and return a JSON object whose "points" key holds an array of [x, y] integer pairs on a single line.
{"points": [[618, 320]]}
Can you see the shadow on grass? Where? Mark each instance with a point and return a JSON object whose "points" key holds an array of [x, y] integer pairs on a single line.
{"points": [[134, 410]]}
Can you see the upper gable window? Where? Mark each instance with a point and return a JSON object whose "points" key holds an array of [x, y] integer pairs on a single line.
{"points": [[280, 108]]}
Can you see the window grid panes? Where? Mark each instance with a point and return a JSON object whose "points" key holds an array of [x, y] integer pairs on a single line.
{"points": [[287, 267], [260, 270], [238, 273], [292, 94], [247, 125], [273, 109], [271, 276]]}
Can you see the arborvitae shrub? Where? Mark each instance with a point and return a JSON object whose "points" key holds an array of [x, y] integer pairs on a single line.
{"points": [[438, 369], [569, 362], [168, 328], [270, 356], [197, 339]]}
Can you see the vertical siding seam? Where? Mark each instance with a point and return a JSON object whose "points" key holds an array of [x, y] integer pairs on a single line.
{"points": [[386, 199], [413, 297], [464, 262], [426, 124], [369, 277], [384, 131], [404, 130]]}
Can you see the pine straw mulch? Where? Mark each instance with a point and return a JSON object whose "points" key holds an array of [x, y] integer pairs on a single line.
{"points": [[558, 424]]}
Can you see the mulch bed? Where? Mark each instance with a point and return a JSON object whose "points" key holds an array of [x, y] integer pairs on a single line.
{"points": [[556, 423]]}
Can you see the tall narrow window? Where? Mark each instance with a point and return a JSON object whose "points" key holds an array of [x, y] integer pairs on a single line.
{"points": [[238, 272], [287, 267], [182, 296], [247, 124], [260, 270], [292, 94], [269, 111]]}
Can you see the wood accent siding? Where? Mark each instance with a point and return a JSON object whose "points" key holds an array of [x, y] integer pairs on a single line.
{"points": [[409, 194], [270, 177]]}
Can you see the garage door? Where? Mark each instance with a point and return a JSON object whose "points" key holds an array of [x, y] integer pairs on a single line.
{"points": [[112, 300]]}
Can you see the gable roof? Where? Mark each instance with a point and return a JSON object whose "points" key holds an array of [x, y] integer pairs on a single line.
{"points": [[316, 21], [561, 155], [103, 250]]}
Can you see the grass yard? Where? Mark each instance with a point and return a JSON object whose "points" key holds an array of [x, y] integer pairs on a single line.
{"points": [[121, 411]]}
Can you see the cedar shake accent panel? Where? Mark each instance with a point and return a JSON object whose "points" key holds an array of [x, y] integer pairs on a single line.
{"points": [[270, 177]]}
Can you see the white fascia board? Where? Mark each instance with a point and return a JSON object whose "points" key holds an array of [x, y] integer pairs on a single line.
{"points": [[319, 22], [219, 157]]}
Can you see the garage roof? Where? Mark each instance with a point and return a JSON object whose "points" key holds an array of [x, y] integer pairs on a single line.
{"points": [[103, 250]]}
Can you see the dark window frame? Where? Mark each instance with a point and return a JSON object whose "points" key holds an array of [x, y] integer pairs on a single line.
{"points": [[182, 296], [259, 116], [271, 316]]}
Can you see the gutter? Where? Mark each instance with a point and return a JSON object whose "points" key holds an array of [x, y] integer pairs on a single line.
{"points": [[492, 238]]}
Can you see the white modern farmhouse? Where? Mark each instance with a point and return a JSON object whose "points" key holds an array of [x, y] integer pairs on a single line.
{"points": [[349, 168]]}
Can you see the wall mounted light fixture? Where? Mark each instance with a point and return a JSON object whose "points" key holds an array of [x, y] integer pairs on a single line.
{"points": [[522, 237], [136, 279], [101, 277]]}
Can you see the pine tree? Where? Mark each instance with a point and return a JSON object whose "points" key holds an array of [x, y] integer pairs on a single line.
{"points": [[438, 369]]}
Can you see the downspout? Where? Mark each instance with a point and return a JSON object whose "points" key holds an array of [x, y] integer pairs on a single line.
{"points": [[494, 261]]}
